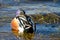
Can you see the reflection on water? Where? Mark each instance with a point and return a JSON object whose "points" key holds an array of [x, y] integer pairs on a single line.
{"points": [[42, 33], [36, 36], [24, 36]]}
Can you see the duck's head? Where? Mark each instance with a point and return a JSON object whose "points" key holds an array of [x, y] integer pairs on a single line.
{"points": [[20, 12]]}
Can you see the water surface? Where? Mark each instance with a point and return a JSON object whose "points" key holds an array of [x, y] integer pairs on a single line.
{"points": [[43, 31]]}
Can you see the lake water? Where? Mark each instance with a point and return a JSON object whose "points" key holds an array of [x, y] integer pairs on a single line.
{"points": [[43, 31]]}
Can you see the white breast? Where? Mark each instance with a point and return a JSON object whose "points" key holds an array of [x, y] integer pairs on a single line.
{"points": [[21, 29]]}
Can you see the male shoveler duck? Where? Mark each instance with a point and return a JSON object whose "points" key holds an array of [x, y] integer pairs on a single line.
{"points": [[22, 22]]}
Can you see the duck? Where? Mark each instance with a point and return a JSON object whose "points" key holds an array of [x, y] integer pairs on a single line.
{"points": [[22, 22]]}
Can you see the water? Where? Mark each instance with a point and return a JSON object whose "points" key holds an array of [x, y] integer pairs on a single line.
{"points": [[31, 8], [43, 31]]}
